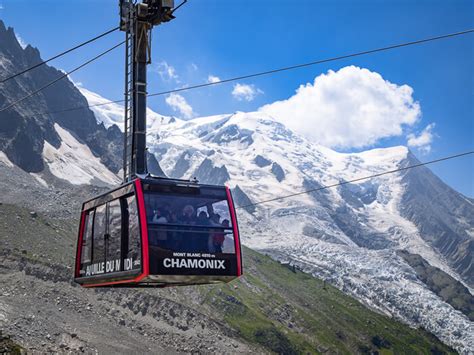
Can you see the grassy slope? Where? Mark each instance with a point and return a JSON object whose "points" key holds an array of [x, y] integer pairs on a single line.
{"points": [[283, 310], [288, 312]]}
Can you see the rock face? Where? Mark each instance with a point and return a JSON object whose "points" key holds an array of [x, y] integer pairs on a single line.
{"points": [[182, 165], [232, 133], [241, 199], [442, 215], [442, 284], [278, 171], [153, 166], [25, 129], [207, 173], [262, 162]]}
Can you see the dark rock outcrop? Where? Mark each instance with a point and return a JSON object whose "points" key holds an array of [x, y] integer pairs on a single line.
{"points": [[241, 199], [182, 165], [207, 173], [24, 126], [278, 171], [232, 133], [358, 195], [442, 215], [261, 161], [445, 286], [154, 167]]}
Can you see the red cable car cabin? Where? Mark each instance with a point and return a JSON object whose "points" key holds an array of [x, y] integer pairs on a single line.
{"points": [[158, 232]]}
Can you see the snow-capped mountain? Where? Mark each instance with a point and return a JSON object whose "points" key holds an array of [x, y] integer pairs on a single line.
{"points": [[112, 115], [351, 235]]}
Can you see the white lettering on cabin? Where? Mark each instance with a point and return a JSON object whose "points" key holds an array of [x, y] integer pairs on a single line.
{"points": [[95, 269], [128, 264], [109, 266], [193, 264]]}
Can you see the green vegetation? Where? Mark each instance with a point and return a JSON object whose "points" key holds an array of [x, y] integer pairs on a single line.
{"points": [[290, 312], [7, 346], [280, 308]]}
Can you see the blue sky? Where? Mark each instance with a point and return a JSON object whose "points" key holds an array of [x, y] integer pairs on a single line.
{"points": [[235, 37]]}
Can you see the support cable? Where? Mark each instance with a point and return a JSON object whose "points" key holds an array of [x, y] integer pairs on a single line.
{"points": [[358, 179], [297, 66], [59, 78], [59, 55], [177, 7]]}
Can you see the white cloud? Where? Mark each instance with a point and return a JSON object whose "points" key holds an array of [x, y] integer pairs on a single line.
{"points": [[213, 79], [179, 104], [166, 71], [193, 66], [76, 83], [423, 141], [20, 40], [245, 92], [350, 108]]}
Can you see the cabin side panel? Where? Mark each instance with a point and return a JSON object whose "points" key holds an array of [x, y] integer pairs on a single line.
{"points": [[109, 248]]}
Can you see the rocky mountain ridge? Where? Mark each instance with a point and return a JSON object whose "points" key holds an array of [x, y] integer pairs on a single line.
{"points": [[29, 130], [25, 129]]}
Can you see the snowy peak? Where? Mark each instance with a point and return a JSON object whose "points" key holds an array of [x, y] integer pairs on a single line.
{"points": [[104, 112], [110, 114]]}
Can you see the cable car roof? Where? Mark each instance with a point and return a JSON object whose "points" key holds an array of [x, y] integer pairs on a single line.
{"points": [[154, 180]]}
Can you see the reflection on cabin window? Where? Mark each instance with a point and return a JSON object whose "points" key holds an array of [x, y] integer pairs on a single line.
{"points": [[111, 234]]}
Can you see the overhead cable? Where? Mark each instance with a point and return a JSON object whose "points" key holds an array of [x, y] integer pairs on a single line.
{"points": [[177, 7], [268, 72], [356, 180], [59, 78], [297, 66], [59, 55]]}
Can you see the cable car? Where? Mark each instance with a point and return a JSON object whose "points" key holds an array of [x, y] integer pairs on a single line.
{"points": [[158, 232], [150, 231]]}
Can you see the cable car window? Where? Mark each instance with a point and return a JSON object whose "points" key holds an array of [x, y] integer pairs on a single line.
{"points": [[114, 236], [86, 250], [190, 223], [201, 209], [133, 254], [100, 225]]}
